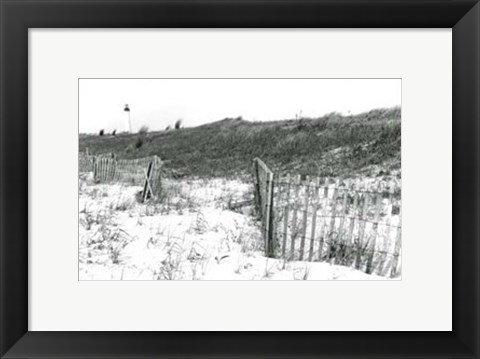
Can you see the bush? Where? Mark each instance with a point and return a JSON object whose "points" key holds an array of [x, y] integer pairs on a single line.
{"points": [[143, 130], [139, 142], [168, 128], [178, 124], [301, 123], [114, 132], [101, 132]]}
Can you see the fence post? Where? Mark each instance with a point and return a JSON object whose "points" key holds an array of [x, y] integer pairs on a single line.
{"points": [[256, 192], [157, 175], [269, 245]]}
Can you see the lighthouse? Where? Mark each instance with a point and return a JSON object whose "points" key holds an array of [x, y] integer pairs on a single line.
{"points": [[128, 124]]}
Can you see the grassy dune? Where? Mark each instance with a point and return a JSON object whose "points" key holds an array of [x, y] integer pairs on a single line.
{"points": [[332, 145]]}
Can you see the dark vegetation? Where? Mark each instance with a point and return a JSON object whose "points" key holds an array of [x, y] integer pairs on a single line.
{"points": [[332, 145], [178, 124]]}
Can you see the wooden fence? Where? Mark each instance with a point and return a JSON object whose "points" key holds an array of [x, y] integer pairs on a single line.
{"points": [[145, 171], [316, 219], [86, 160]]}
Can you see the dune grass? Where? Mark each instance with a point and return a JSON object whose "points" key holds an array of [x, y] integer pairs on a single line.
{"points": [[332, 145]]}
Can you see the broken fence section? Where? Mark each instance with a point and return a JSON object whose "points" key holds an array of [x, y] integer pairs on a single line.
{"points": [[146, 172]]}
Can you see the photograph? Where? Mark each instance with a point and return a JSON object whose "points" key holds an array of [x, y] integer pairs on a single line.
{"points": [[175, 171], [239, 179]]}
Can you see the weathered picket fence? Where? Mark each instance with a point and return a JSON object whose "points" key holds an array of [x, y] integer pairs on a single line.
{"points": [[146, 172], [317, 219], [86, 160]]}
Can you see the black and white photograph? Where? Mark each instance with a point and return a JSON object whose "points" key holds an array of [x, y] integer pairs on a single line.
{"points": [[239, 179]]}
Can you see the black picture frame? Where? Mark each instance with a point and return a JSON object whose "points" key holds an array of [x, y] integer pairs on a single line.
{"points": [[17, 16]]}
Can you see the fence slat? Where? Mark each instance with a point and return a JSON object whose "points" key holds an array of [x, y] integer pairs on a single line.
{"points": [[100, 170], [323, 222], [388, 229], [285, 218], [305, 218], [363, 223], [371, 253], [396, 251], [94, 170], [349, 238], [340, 239], [294, 232], [105, 167], [331, 227], [314, 217]]}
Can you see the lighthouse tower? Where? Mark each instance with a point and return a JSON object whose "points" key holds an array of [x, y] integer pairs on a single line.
{"points": [[128, 123]]}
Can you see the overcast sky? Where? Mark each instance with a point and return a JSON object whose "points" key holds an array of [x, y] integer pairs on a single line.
{"points": [[157, 103]]}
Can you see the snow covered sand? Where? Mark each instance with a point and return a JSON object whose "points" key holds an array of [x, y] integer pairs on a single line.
{"points": [[191, 234]]}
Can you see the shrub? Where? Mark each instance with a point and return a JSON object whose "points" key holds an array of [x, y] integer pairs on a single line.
{"points": [[143, 130], [114, 132], [139, 142], [168, 128], [101, 132], [178, 124], [301, 123]]}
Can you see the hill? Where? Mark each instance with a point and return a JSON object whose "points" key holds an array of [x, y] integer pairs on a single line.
{"points": [[332, 145]]}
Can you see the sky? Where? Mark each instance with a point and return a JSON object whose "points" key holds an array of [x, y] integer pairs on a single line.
{"points": [[158, 103]]}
